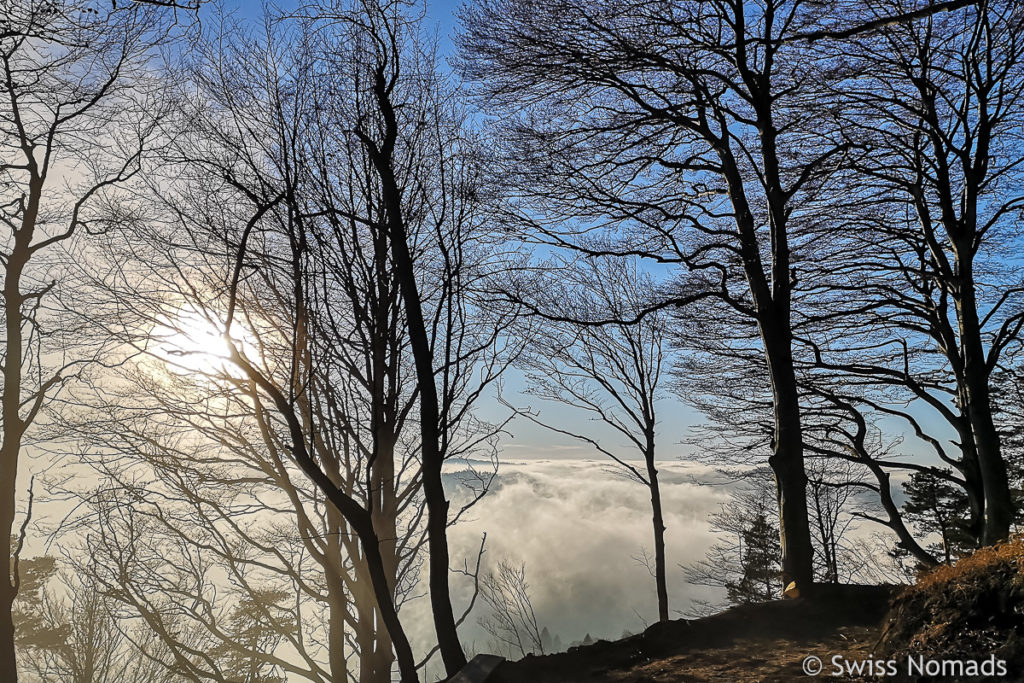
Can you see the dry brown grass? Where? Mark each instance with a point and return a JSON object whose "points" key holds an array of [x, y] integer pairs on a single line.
{"points": [[968, 610], [982, 562]]}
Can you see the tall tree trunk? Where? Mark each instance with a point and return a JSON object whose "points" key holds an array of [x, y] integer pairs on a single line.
{"points": [[423, 357], [384, 520], [787, 458], [772, 305], [998, 501], [433, 487], [969, 467], [13, 426], [776, 324], [386, 606], [339, 603], [659, 533], [337, 607], [8, 657], [383, 506], [787, 463]]}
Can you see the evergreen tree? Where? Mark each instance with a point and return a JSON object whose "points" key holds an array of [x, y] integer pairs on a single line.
{"points": [[937, 506], [747, 559], [761, 568], [34, 628], [1008, 400], [547, 645]]}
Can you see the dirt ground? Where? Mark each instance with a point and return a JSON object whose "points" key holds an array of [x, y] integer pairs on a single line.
{"points": [[764, 643]]}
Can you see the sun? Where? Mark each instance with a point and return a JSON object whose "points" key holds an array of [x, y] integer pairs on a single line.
{"points": [[192, 342]]}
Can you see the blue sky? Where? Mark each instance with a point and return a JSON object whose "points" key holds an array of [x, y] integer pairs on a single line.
{"points": [[441, 13], [529, 440]]}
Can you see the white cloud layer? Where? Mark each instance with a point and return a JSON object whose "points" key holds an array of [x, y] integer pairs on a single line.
{"points": [[578, 525]]}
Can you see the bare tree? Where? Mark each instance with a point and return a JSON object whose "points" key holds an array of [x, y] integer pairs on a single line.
{"points": [[310, 360], [611, 373], [665, 129], [395, 125], [830, 490], [688, 134], [383, 135], [511, 620], [76, 118], [162, 592], [840, 430], [843, 432], [232, 184], [214, 474], [937, 106]]}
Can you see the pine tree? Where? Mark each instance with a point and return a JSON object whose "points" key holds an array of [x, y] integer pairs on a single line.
{"points": [[747, 559], [936, 506], [762, 555], [547, 645], [1008, 413]]}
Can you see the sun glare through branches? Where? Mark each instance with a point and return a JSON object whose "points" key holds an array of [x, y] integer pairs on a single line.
{"points": [[192, 342]]}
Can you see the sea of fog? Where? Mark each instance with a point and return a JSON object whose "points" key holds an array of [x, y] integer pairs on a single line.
{"points": [[581, 528]]}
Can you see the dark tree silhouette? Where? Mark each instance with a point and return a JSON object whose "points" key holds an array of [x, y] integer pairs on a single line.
{"points": [[612, 373], [664, 130], [76, 118], [317, 340], [745, 561], [936, 106]]}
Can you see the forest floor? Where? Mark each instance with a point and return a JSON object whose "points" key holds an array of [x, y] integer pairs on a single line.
{"points": [[765, 643]]}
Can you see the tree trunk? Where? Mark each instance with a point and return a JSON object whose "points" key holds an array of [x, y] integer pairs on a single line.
{"points": [[371, 638], [430, 445], [367, 629], [971, 471], [772, 310], [384, 518], [659, 553], [787, 462], [432, 460], [8, 657], [8, 589], [659, 531], [998, 501], [388, 613], [775, 322], [337, 601], [336, 608], [13, 430]]}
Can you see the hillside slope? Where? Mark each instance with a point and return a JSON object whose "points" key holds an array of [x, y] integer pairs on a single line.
{"points": [[766, 643], [972, 610]]}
